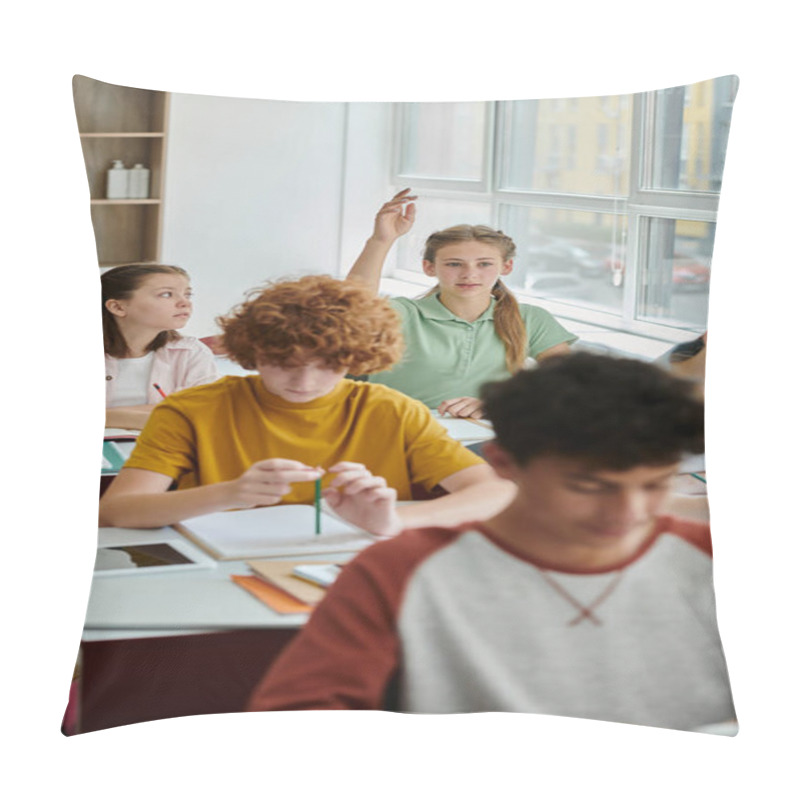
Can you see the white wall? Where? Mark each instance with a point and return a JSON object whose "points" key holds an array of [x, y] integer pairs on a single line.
{"points": [[367, 173], [253, 191]]}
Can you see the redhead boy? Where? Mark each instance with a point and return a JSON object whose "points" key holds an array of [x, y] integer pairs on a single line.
{"points": [[264, 439], [578, 599]]}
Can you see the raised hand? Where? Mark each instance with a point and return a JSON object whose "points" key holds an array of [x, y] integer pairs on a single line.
{"points": [[395, 217], [461, 407], [392, 220], [363, 499], [266, 482]]}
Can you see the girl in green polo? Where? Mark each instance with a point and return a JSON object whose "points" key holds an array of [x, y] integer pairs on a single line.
{"points": [[468, 329]]}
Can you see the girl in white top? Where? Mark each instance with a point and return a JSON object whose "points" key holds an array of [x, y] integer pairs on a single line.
{"points": [[446, 361], [146, 357]]}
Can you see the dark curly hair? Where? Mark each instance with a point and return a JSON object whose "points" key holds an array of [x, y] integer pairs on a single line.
{"points": [[611, 413], [340, 322]]}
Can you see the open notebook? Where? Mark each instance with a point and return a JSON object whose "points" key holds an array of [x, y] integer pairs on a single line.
{"points": [[272, 532]]}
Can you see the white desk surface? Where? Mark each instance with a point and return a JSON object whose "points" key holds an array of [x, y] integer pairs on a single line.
{"points": [[193, 600]]}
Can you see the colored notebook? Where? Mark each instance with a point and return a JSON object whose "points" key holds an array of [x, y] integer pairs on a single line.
{"points": [[281, 574], [115, 454], [275, 598]]}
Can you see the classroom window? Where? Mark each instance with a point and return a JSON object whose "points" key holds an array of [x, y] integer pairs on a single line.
{"points": [[611, 200], [572, 142], [674, 288], [682, 118], [535, 133], [443, 141], [566, 254]]}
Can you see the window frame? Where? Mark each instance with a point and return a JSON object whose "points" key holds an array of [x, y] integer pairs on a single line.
{"points": [[468, 185], [641, 204]]}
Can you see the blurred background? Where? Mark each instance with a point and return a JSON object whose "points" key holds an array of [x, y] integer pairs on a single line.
{"points": [[612, 201]]}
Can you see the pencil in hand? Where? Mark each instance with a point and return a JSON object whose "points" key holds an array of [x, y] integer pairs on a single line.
{"points": [[318, 506]]}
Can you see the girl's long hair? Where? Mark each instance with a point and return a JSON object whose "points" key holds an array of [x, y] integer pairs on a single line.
{"points": [[120, 283], [507, 320]]}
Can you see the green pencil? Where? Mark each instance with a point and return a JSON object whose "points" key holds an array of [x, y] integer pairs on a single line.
{"points": [[317, 506]]}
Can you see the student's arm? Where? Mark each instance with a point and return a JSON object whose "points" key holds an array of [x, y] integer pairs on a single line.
{"points": [[394, 219], [132, 417], [138, 498], [475, 493], [692, 369], [557, 350], [546, 335]]}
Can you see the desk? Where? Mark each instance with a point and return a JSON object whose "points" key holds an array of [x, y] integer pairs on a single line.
{"points": [[176, 643]]}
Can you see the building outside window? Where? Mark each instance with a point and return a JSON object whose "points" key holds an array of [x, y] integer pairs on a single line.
{"points": [[611, 201]]}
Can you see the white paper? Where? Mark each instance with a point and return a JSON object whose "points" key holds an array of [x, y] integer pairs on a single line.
{"points": [[274, 531], [463, 430], [321, 574]]}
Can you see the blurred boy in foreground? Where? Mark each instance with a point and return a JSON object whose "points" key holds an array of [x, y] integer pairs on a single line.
{"points": [[578, 599]]}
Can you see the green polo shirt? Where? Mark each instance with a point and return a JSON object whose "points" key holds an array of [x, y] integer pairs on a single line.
{"points": [[447, 357]]}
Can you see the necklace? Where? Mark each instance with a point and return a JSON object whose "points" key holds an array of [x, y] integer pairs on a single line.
{"points": [[586, 612]]}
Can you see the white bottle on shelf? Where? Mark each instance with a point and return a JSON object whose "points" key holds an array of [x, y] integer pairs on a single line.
{"points": [[139, 181], [117, 181]]}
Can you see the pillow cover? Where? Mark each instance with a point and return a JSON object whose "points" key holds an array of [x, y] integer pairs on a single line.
{"points": [[611, 205]]}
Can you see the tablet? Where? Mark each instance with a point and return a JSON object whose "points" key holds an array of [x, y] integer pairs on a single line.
{"points": [[149, 558]]}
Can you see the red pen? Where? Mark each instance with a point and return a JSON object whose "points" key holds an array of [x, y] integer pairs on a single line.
{"points": [[159, 390]]}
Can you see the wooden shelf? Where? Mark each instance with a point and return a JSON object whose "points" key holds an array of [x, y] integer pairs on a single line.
{"points": [[109, 264], [132, 202], [129, 124], [119, 135]]}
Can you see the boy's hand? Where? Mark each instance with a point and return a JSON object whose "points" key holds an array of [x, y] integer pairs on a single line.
{"points": [[461, 407], [266, 482], [395, 217], [363, 499]]}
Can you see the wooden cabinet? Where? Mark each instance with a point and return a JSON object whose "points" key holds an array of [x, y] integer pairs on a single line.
{"points": [[121, 122]]}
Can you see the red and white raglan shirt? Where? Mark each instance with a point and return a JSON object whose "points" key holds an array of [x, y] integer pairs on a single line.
{"points": [[465, 624]]}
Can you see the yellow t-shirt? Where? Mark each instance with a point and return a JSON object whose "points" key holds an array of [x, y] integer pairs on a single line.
{"points": [[213, 433]]}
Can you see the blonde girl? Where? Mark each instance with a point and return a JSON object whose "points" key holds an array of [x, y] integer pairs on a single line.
{"points": [[467, 330]]}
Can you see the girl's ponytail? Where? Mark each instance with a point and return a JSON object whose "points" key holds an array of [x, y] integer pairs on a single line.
{"points": [[509, 327]]}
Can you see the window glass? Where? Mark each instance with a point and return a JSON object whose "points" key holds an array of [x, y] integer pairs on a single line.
{"points": [[434, 214], [443, 140], [580, 147], [674, 288], [692, 124], [567, 255], [553, 159]]}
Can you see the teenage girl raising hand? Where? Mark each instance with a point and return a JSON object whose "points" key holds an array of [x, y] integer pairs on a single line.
{"points": [[144, 305], [468, 329]]}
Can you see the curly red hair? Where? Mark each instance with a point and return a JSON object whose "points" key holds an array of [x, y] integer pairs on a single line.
{"points": [[340, 322]]}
